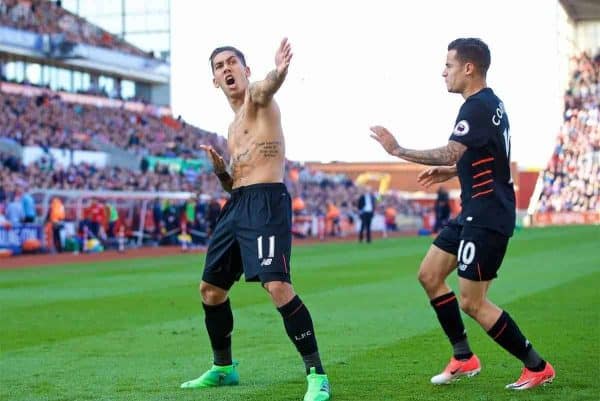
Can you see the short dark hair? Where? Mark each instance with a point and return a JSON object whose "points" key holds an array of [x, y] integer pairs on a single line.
{"points": [[222, 49], [472, 50]]}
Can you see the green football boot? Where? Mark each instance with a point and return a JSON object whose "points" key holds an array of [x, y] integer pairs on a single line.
{"points": [[318, 387], [216, 376]]}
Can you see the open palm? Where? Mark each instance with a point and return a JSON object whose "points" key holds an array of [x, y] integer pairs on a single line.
{"points": [[283, 56], [435, 175], [385, 138], [218, 162]]}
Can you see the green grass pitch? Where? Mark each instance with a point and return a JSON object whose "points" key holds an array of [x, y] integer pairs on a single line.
{"points": [[134, 330]]}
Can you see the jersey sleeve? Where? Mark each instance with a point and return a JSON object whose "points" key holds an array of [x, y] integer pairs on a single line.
{"points": [[472, 125]]}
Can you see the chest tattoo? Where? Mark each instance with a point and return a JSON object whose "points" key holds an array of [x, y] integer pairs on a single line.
{"points": [[241, 156]]}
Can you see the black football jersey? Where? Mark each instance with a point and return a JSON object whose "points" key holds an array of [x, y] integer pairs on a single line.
{"points": [[487, 193]]}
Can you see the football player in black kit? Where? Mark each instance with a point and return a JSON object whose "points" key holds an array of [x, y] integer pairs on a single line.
{"points": [[478, 152]]}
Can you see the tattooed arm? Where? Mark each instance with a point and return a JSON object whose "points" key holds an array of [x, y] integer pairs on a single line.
{"points": [[262, 92], [444, 156], [219, 167], [226, 180]]}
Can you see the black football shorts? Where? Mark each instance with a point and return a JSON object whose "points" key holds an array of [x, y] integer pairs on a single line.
{"points": [[253, 236], [479, 251]]}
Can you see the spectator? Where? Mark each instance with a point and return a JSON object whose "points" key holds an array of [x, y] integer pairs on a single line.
{"points": [[113, 218], [200, 225], [390, 219], [214, 210], [333, 219], [442, 209], [56, 216], [14, 210], [95, 218], [3, 220], [157, 218], [170, 224], [28, 208], [366, 207]]}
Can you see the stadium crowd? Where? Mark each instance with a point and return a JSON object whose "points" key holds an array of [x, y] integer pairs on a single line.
{"points": [[316, 189], [571, 181], [48, 121], [46, 17], [44, 174], [331, 199]]}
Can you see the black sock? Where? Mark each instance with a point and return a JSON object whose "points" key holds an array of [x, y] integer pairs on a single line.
{"points": [[446, 308], [219, 324], [506, 333], [299, 328]]}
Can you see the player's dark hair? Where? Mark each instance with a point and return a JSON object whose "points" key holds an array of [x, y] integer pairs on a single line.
{"points": [[222, 49], [472, 50]]}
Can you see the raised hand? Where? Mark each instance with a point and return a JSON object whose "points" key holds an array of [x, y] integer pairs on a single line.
{"points": [[435, 175], [283, 56], [385, 138], [217, 161]]}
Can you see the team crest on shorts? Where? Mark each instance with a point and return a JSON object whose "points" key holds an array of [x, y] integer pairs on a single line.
{"points": [[461, 128]]}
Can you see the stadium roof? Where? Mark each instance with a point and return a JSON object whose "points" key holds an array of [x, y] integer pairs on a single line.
{"points": [[582, 10]]}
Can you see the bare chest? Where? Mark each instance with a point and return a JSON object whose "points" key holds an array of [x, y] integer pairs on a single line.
{"points": [[242, 132], [255, 138]]}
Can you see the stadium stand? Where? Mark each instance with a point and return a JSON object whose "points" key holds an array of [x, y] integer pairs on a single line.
{"points": [[79, 162], [45, 119], [317, 192], [571, 181], [44, 174], [45, 17]]}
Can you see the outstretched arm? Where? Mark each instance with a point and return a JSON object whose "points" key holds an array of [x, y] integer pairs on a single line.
{"points": [[443, 156], [262, 92]]}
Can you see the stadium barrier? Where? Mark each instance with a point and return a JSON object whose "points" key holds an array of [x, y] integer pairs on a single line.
{"points": [[564, 218], [135, 225], [17, 239]]}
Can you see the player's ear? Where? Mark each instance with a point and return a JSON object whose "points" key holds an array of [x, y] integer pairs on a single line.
{"points": [[215, 83], [469, 68], [247, 71]]}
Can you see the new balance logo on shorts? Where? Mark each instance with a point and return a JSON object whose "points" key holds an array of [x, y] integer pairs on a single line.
{"points": [[266, 262]]}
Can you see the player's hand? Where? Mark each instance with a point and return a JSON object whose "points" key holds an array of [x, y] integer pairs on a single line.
{"points": [[435, 175], [283, 56], [385, 138], [218, 163]]}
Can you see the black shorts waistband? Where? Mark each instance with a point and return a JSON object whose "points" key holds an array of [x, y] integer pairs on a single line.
{"points": [[268, 186]]}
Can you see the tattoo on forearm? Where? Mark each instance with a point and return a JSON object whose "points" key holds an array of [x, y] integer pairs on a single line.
{"points": [[264, 90], [444, 156], [268, 149], [275, 79]]}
